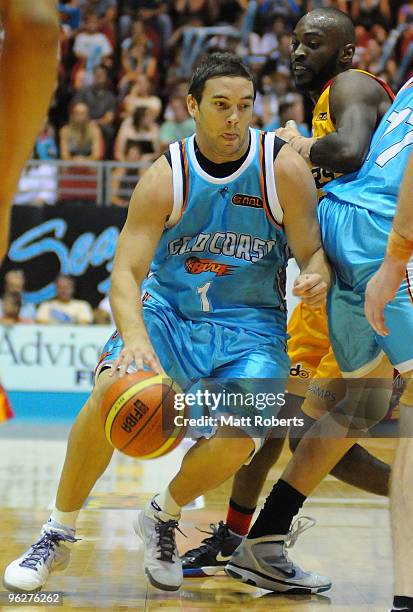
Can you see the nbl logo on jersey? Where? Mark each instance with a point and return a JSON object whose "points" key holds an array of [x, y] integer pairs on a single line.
{"points": [[240, 199], [194, 265]]}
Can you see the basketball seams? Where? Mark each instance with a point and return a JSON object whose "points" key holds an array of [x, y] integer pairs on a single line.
{"points": [[126, 396], [145, 424]]}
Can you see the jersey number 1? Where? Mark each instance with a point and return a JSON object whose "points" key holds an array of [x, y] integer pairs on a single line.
{"points": [[202, 292]]}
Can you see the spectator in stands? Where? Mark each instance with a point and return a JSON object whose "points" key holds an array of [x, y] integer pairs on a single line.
{"points": [[91, 48], [64, 309], [102, 315], [101, 102], [81, 138], [138, 57], [140, 95], [179, 125], [11, 313], [14, 282], [291, 108], [140, 128], [370, 12], [124, 179], [45, 146], [37, 185]]}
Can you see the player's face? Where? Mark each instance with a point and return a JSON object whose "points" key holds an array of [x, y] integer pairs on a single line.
{"points": [[223, 117], [314, 55]]}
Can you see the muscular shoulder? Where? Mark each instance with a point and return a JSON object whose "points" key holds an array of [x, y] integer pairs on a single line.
{"points": [[154, 192], [352, 84]]}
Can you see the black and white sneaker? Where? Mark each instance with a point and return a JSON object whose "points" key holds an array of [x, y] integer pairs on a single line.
{"points": [[213, 554], [264, 562], [161, 560]]}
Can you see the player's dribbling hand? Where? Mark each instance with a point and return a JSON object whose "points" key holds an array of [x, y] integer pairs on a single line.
{"points": [[311, 288], [139, 350]]}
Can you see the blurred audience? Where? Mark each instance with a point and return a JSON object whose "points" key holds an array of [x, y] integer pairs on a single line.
{"points": [[178, 124], [81, 138], [15, 282], [124, 179], [11, 310], [123, 74], [65, 309], [140, 128], [101, 103]]}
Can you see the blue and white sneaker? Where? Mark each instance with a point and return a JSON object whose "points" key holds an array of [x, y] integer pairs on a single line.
{"points": [[213, 554], [30, 571], [263, 562]]}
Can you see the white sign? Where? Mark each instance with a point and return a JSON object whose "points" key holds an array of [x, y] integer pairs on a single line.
{"points": [[49, 357]]}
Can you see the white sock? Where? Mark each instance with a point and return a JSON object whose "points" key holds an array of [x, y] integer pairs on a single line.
{"points": [[168, 508], [66, 519]]}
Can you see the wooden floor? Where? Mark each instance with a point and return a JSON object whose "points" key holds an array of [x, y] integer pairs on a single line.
{"points": [[350, 542]]}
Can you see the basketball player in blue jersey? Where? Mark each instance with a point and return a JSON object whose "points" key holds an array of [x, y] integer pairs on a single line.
{"points": [[212, 227], [381, 289], [356, 220], [349, 105]]}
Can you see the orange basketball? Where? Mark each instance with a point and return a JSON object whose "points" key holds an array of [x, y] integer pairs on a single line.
{"points": [[138, 413]]}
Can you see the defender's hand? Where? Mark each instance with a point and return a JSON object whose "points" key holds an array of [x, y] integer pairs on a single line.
{"points": [[311, 288]]}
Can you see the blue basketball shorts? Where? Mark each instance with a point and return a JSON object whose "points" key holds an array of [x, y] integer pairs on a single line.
{"points": [[355, 241], [233, 372]]}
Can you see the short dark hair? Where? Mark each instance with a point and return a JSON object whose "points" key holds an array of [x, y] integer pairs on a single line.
{"points": [[218, 65]]}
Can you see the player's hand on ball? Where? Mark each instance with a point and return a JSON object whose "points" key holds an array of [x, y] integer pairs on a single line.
{"points": [[139, 350], [311, 288]]}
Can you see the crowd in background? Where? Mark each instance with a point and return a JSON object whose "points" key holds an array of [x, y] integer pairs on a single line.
{"points": [[124, 67]]}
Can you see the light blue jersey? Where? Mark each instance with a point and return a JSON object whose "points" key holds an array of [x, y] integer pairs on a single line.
{"points": [[223, 254], [376, 184], [213, 301]]}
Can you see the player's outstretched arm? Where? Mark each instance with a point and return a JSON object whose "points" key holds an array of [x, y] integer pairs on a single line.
{"points": [[149, 208], [298, 198], [383, 286]]}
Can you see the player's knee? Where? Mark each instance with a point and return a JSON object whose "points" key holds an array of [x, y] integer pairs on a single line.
{"points": [[34, 21], [103, 382], [363, 408]]}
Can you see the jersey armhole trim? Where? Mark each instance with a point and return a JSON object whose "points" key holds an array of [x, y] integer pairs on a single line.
{"points": [[179, 180], [275, 210]]}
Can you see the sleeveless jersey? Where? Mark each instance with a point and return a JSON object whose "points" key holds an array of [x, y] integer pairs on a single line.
{"points": [[323, 124], [223, 253], [375, 186]]}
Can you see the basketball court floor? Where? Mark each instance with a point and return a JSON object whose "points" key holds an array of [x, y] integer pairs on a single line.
{"points": [[350, 543]]}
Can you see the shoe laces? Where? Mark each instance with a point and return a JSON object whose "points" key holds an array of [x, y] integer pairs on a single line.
{"points": [[297, 528], [44, 547], [218, 534], [300, 525], [165, 532]]}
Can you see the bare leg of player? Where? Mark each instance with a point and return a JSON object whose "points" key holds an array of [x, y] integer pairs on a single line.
{"points": [[402, 504], [88, 452], [87, 456], [28, 71]]}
